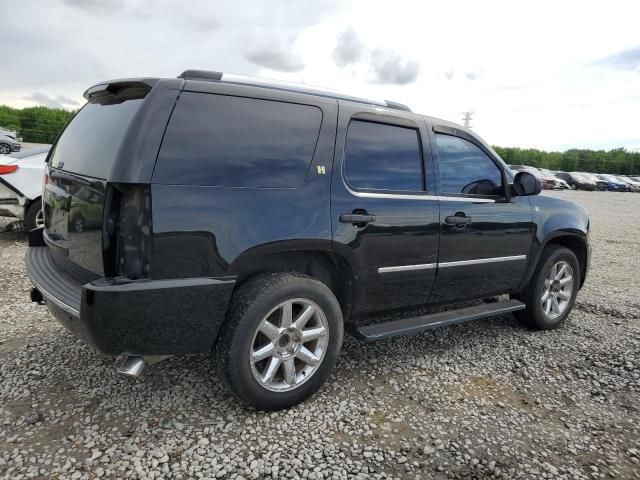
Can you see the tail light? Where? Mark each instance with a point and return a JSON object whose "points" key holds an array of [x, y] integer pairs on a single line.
{"points": [[4, 169], [127, 231]]}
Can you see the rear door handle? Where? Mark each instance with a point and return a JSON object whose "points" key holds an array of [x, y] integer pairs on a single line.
{"points": [[457, 220], [357, 218]]}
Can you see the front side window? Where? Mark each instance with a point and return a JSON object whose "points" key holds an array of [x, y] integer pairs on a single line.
{"points": [[383, 157], [465, 169]]}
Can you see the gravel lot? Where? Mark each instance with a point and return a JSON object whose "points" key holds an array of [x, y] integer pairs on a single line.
{"points": [[483, 399]]}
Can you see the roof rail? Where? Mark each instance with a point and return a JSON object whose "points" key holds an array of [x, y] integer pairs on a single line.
{"points": [[397, 106], [200, 75], [205, 75]]}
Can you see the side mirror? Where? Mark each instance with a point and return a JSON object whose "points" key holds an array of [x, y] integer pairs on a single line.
{"points": [[525, 183]]}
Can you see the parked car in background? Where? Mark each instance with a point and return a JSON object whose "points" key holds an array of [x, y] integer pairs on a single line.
{"points": [[548, 181], [9, 142], [577, 181], [21, 177], [560, 183], [614, 184], [600, 184], [634, 185]]}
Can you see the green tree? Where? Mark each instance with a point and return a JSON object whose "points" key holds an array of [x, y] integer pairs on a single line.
{"points": [[35, 124]]}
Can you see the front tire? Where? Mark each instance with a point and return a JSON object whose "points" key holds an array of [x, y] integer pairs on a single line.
{"points": [[281, 340], [5, 149], [552, 290]]}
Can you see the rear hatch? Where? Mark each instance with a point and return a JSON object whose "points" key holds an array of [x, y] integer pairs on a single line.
{"points": [[78, 170]]}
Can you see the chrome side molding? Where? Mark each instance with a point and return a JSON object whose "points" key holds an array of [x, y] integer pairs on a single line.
{"points": [[427, 266], [404, 268]]}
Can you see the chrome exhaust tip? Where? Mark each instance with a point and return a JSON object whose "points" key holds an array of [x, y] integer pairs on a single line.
{"points": [[131, 365]]}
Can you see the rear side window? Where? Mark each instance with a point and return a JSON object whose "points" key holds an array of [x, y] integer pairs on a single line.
{"points": [[383, 157], [465, 169], [237, 142], [89, 144]]}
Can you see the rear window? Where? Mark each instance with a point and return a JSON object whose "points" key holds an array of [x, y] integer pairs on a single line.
{"points": [[231, 141], [89, 144]]}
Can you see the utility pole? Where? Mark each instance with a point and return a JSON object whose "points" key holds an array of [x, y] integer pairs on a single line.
{"points": [[467, 119]]}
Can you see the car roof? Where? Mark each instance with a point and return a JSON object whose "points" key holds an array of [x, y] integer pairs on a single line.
{"points": [[439, 125], [220, 77]]}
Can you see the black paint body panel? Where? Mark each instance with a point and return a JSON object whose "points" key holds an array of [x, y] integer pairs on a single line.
{"points": [[156, 317], [163, 317], [206, 238]]}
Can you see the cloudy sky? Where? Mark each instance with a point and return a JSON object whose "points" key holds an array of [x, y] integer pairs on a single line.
{"points": [[544, 74]]}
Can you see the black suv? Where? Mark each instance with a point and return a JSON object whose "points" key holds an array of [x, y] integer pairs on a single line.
{"points": [[258, 221]]}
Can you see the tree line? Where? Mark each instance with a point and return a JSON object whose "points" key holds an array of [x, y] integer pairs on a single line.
{"points": [[42, 125], [35, 124], [616, 161]]}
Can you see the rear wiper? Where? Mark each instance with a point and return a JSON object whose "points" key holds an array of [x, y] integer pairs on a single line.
{"points": [[65, 177]]}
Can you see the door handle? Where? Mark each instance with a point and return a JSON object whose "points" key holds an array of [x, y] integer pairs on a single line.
{"points": [[357, 218], [457, 220]]}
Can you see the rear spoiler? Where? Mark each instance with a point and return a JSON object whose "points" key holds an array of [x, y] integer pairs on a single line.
{"points": [[112, 87]]}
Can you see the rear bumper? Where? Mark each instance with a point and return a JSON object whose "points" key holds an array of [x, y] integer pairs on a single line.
{"points": [[152, 317]]}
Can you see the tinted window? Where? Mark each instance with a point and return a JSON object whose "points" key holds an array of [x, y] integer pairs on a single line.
{"points": [[90, 143], [382, 157], [464, 168], [238, 142]]}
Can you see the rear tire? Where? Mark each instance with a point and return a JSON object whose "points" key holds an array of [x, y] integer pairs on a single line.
{"points": [[552, 290], [281, 340], [34, 216]]}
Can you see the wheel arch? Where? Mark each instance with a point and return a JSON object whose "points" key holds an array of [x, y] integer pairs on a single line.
{"points": [[578, 245], [321, 264], [574, 240]]}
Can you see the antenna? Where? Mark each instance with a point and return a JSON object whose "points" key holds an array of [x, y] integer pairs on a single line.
{"points": [[467, 119]]}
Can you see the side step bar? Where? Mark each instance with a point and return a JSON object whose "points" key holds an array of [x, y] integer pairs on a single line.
{"points": [[407, 326]]}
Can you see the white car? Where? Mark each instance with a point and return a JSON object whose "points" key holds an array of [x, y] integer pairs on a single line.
{"points": [[21, 177]]}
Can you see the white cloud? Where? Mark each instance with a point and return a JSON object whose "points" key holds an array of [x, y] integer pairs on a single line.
{"points": [[543, 74], [58, 102]]}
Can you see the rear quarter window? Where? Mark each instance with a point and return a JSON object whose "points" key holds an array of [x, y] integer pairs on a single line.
{"points": [[228, 141]]}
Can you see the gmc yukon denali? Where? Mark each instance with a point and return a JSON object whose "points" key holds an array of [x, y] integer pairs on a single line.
{"points": [[257, 221]]}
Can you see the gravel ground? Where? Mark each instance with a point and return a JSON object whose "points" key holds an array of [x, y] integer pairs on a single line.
{"points": [[483, 399]]}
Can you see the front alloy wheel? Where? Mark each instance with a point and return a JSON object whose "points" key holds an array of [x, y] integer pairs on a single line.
{"points": [[552, 290], [558, 287]]}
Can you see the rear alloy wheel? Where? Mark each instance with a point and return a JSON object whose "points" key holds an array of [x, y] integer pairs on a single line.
{"points": [[280, 341], [552, 290], [5, 148], [289, 345]]}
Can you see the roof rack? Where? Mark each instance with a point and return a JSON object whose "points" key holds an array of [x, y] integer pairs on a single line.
{"points": [[211, 76]]}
